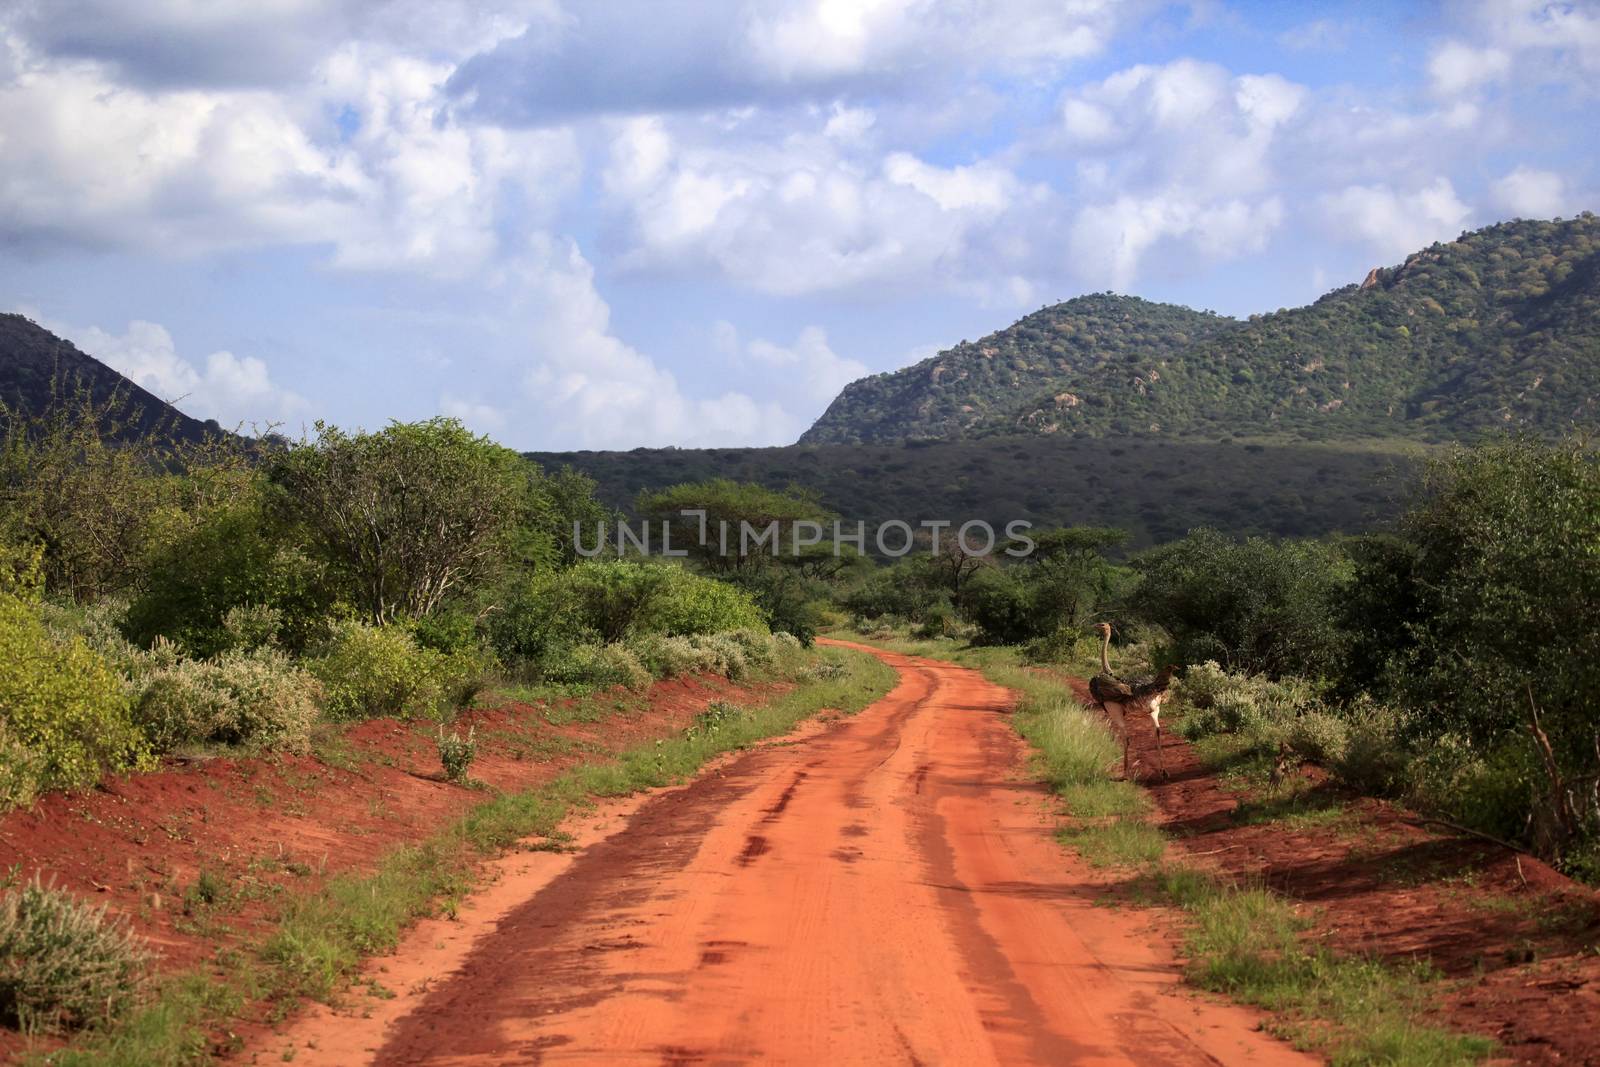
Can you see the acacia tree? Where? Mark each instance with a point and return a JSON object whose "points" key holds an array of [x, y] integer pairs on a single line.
{"points": [[408, 515], [735, 514]]}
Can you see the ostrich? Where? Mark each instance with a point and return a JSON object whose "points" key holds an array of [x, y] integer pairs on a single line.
{"points": [[1118, 698]]}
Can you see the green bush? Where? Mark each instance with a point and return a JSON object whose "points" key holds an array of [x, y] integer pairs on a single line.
{"points": [[594, 665], [665, 657], [63, 964], [1001, 603], [256, 698], [608, 601], [1376, 755], [64, 713], [1488, 790], [371, 672], [456, 753], [719, 715], [723, 655], [233, 559], [1261, 606], [689, 604], [1320, 737]]}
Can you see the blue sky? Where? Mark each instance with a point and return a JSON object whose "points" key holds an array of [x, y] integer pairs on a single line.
{"points": [[606, 225]]}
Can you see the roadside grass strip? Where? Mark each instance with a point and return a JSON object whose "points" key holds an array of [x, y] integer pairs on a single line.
{"points": [[1244, 942], [320, 939]]}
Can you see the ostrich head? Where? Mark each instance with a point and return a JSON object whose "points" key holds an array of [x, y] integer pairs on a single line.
{"points": [[1104, 628]]}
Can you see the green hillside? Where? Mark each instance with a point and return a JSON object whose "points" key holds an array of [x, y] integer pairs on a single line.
{"points": [[1497, 330], [1157, 489], [38, 369]]}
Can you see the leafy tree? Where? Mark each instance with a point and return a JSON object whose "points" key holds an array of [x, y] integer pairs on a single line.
{"points": [[1072, 572], [731, 508], [1259, 606], [1505, 577], [407, 516], [234, 557]]}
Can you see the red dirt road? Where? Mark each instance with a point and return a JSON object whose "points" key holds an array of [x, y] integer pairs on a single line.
{"points": [[886, 890]]}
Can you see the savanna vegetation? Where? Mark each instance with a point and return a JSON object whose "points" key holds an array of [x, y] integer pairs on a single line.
{"points": [[1446, 660], [161, 595]]}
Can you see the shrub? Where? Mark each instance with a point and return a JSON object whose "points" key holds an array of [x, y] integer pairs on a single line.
{"points": [[1489, 790], [690, 604], [609, 601], [723, 655], [247, 627], [594, 665], [664, 657], [1000, 602], [718, 714], [64, 964], [375, 671], [456, 753], [757, 646], [1320, 737], [63, 710], [257, 698], [1376, 756], [1202, 682], [1258, 605], [232, 560]]}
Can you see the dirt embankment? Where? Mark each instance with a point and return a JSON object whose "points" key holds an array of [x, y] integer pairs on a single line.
{"points": [[1520, 941], [884, 890], [250, 832]]}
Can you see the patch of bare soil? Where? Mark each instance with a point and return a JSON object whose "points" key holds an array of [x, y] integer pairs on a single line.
{"points": [[201, 854], [1519, 942]]}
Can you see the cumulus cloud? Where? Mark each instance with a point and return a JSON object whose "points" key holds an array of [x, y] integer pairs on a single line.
{"points": [[1530, 193], [232, 389], [732, 53], [89, 161], [1527, 41], [167, 44], [1458, 68], [1395, 222], [801, 214], [591, 389], [814, 369], [1179, 156]]}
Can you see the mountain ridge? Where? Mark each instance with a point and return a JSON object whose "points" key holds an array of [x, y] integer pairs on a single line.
{"points": [[39, 370], [1499, 329]]}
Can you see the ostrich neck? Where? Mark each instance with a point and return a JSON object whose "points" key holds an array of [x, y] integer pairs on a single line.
{"points": [[1105, 645]]}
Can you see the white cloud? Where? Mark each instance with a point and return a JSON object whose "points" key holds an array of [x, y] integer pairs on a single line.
{"points": [[1532, 42], [1456, 67], [590, 389], [1184, 123], [1318, 35], [633, 57], [1180, 156], [185, 172], [1110, 241], [802, 213], [483, 418], [232, 389], [1530, 193], [1394, 223], [809, 364]]}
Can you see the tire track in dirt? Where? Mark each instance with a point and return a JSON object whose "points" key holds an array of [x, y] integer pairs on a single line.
{"points": [[886, 891]]}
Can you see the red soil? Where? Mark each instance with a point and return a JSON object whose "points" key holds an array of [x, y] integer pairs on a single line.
{"points": [[279, 825], [887, 889], [1520, 942]]}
